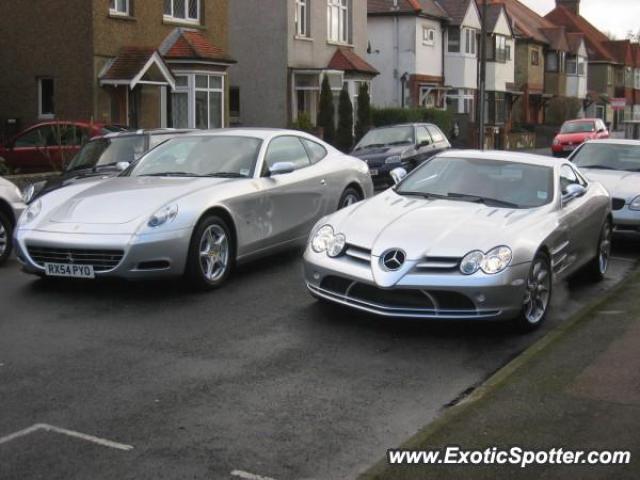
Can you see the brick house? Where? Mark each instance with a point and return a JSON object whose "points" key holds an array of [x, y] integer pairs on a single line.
{"points": [[285, 48], [141, 63]]}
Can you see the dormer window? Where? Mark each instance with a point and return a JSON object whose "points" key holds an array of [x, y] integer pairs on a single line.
{"points": [[182, 10]]}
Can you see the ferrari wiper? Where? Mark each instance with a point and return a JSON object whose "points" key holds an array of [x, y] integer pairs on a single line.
{"points": [[169, 174], [480, 199], [372, 145], [226, 175]]}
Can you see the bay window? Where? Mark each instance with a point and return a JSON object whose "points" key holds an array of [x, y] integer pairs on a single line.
{"points": [[198, 101], [499, 50], [453, 40], [338, 19], [182, 10], [572, 65]]}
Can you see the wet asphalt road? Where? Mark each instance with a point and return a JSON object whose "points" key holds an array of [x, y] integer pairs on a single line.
{"points": [[255, 377]]}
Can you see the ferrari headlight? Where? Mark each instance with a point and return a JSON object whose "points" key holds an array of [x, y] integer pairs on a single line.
{"points": [[496, 260], [470, 264], [164, 215], [492, 262], [30, 213], [325, 240], [393, 159], [635, 203]]}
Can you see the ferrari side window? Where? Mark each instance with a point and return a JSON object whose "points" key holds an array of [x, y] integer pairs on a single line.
{"points": [[567, 177], [287, 149]]}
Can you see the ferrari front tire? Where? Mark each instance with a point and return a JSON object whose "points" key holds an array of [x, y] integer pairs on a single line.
{"points": [[349, 197], [211, 254]]}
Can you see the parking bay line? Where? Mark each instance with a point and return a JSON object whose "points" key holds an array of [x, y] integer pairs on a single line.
{"points": [[63, 431], [248, 476]]}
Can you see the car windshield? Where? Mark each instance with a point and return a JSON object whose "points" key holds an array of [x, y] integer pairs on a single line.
{"points": [[108, 151], [608, 156], [578, 127], [201, 156], [492, 182], [383, 137]]}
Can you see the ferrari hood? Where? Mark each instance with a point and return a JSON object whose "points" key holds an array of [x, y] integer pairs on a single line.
{"points": [[123, 200], [620, 184], [429, 227]]}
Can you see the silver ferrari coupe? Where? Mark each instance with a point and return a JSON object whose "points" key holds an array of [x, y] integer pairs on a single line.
{"points": [[195, 205], [468, 235]]}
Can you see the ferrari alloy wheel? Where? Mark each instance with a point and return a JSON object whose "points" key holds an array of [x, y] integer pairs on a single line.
{"points": [[211, 254], [537, 295], [6, 232], [349, 197], [597, 269]]}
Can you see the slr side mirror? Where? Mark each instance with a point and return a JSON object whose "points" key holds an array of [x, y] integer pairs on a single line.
{"points": [[398, 174]]}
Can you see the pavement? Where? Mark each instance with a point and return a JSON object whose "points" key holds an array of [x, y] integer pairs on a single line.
{"points": [[577, 389]]}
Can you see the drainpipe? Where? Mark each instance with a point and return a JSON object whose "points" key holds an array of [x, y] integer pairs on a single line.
{"points": [[483, 74], [396, 48]]}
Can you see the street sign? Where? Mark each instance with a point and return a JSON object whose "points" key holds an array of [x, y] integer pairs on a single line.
{"points": [[618, 103]]}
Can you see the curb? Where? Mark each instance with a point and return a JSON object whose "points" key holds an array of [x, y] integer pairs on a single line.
{"points": [[503, 374]]}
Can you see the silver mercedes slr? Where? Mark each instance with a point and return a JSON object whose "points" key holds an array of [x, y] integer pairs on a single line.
{"points": [[194, 206], [468, 235]]}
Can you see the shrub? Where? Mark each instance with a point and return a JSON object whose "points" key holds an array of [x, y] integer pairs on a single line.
{"points": [[303, 123], [363, 122], [561, 109], [344, 134], [326, 112], [391, 116]]}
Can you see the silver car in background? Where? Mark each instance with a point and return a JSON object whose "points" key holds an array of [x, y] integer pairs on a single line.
{"points": [[11, 207], [616, 165], [468, 235], [193, 206]]}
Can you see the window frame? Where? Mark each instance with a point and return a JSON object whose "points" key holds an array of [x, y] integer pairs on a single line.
{"points": [[190, 89], [343, 9], [428, 35], [41, 113], [114, 11], [303, 29], [458, 42], [535, 57], [190, 20]]}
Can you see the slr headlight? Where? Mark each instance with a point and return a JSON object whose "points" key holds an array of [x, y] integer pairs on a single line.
{"points": [[28, 192], [164, 215], [496, 260], [492, 262], [30, 213], [393, 159], [325, 240], [471, 262], [635, 203]]}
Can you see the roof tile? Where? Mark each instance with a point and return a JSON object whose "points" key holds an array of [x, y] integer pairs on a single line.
{"points": [[347, 60]]}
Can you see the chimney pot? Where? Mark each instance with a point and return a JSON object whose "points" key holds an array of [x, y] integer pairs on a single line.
{"points": [[571, 5]]}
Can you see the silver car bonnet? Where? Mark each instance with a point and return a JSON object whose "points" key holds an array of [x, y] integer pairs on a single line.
{"points": [[118, 205], [620, 184], [421, 227]]}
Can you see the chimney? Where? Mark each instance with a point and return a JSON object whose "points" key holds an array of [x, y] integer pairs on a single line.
{"points": [[571, 5]]}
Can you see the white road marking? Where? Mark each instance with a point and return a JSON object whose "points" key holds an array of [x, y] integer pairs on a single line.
{"points": [[249, 476], [70, 433], [624, 259]]}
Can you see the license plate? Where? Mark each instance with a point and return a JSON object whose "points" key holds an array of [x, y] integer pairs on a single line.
{"points": [[568, 148], [373, 172], [69, 271]]}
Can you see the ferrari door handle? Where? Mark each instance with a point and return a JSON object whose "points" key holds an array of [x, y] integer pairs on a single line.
{"points": [[323, 181]]}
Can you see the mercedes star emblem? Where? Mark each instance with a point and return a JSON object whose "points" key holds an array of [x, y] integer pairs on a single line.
{"points": [[393, 259]]}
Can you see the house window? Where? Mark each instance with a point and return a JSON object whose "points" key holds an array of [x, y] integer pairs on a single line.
{"points": [[198, 101], [470, 41], [428, 36], [119, 7], [46, 106], [535, 57], [234, 102], [453, 40], [182, 10], [461, 101], [552, 62], [302, 18], [338, 21], [499, 51], [495, 113]]}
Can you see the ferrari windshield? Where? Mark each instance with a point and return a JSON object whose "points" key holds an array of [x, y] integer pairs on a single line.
{"points": [[384, 137], [608, 156], [578, 127], [202, 156], [492, 182], [108, 151]]}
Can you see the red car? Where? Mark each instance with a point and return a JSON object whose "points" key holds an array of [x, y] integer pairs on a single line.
{"points": [[48, 146], [574, 132]]}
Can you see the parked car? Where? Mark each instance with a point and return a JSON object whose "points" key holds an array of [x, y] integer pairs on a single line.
{"points": [[194, 206], [616, 165], [467, 235], [11, 207], [405, 146], [48, 146], [574, 132], [103, 157]]}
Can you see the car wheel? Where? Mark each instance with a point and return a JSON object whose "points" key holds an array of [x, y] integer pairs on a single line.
{"points": [[597, 268], [211, 254], [349, 197], [537, 296], [6, 235]]}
